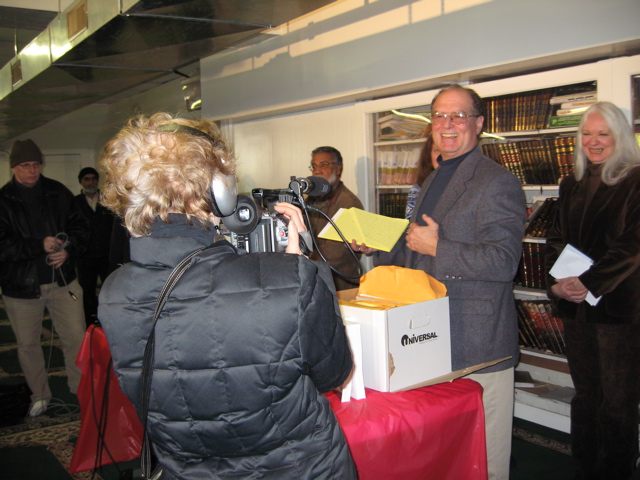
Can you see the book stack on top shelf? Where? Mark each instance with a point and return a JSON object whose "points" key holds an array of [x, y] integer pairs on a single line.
{"points": [[402, 126], [570, 107]]}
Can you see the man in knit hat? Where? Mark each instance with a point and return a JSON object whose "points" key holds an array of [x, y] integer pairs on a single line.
{"points": [[94, 262], [42, 232]]}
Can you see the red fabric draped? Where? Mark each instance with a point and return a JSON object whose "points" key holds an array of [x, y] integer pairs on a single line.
{"points": [[426, 433]]}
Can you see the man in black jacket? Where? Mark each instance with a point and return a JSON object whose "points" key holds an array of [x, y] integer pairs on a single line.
{"points": [[42, 231], [94, 262]]}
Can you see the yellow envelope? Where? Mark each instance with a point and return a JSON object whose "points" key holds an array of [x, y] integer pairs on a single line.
{"points": [[400, 285]]}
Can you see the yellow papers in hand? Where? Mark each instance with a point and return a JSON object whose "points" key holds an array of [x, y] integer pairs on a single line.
{"points": [[376, 231]]}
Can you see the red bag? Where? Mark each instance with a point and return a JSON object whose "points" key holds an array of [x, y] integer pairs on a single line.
{"points": [[110, 432]]}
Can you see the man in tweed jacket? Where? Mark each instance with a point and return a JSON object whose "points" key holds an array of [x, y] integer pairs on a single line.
{"points": [[467, 231]]}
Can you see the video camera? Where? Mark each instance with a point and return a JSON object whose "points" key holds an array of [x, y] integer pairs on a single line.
{"points": [[255, 226]]}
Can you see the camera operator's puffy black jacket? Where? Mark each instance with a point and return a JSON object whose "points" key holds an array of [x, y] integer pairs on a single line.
{"points": [[19, 251], [243, 349]]}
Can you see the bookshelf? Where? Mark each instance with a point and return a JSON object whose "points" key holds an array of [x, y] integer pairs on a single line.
{"points": [[524, 134], [399, 139]]}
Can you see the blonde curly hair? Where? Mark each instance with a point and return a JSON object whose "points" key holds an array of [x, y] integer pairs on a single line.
{"points": [[153, 168]]}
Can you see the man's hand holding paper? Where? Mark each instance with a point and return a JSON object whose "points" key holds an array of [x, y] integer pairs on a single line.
{"points": [[365, 228]]}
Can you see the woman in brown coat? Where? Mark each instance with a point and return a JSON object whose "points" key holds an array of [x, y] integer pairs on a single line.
{"points": [[599, 214]]}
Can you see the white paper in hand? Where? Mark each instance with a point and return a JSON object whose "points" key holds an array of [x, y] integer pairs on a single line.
{"points": [[571, 263]]}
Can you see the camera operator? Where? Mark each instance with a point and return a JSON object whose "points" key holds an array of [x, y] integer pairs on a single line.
{"points": [[245, 343]]}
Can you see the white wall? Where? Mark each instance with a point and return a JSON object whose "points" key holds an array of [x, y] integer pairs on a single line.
{"points": [[358, 49], [270, 151]]}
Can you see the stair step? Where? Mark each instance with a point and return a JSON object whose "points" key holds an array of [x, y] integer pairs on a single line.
{"points": [[546, 404]]}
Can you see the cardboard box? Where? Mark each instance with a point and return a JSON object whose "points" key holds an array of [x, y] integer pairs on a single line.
{"points": [[402, 346]]}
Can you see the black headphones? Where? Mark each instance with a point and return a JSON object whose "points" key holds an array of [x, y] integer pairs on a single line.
{"points": [[223, 191]]}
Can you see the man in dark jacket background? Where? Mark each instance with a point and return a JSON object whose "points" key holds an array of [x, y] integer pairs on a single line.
{"points": [[42, 231], [94, 262]]}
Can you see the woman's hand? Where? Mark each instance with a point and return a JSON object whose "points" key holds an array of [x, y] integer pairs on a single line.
{"points": [[296, 225], [571, 289]]}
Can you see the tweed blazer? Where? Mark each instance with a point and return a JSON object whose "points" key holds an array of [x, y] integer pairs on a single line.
{"points": [[481, 216]]}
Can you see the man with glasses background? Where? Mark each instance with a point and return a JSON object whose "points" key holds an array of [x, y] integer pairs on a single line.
{"points": [[466, 231], [42, 232], [326, 162]]}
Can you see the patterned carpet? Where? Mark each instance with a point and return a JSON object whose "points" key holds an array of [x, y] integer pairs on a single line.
{"points": [[542, 441]]}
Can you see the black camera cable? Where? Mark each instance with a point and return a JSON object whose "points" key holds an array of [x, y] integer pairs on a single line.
{"points": [[306, 209], [63, 239]]}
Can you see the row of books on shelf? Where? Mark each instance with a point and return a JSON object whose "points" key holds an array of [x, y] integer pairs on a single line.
{"points": [[541, 218], [540, 109], [392, 204], [539, 328], [398, 165], [536, 161], [519, 111], [531, 269]]}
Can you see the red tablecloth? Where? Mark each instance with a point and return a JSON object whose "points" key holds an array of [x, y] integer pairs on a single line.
{"points": [[434, 432]]}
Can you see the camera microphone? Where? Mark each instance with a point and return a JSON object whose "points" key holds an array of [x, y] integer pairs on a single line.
{"points": [[312, 186]]}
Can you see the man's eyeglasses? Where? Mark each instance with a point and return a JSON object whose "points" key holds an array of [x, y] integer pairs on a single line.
{"points": [[30, 165], [457, 118], [320, 166]]}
